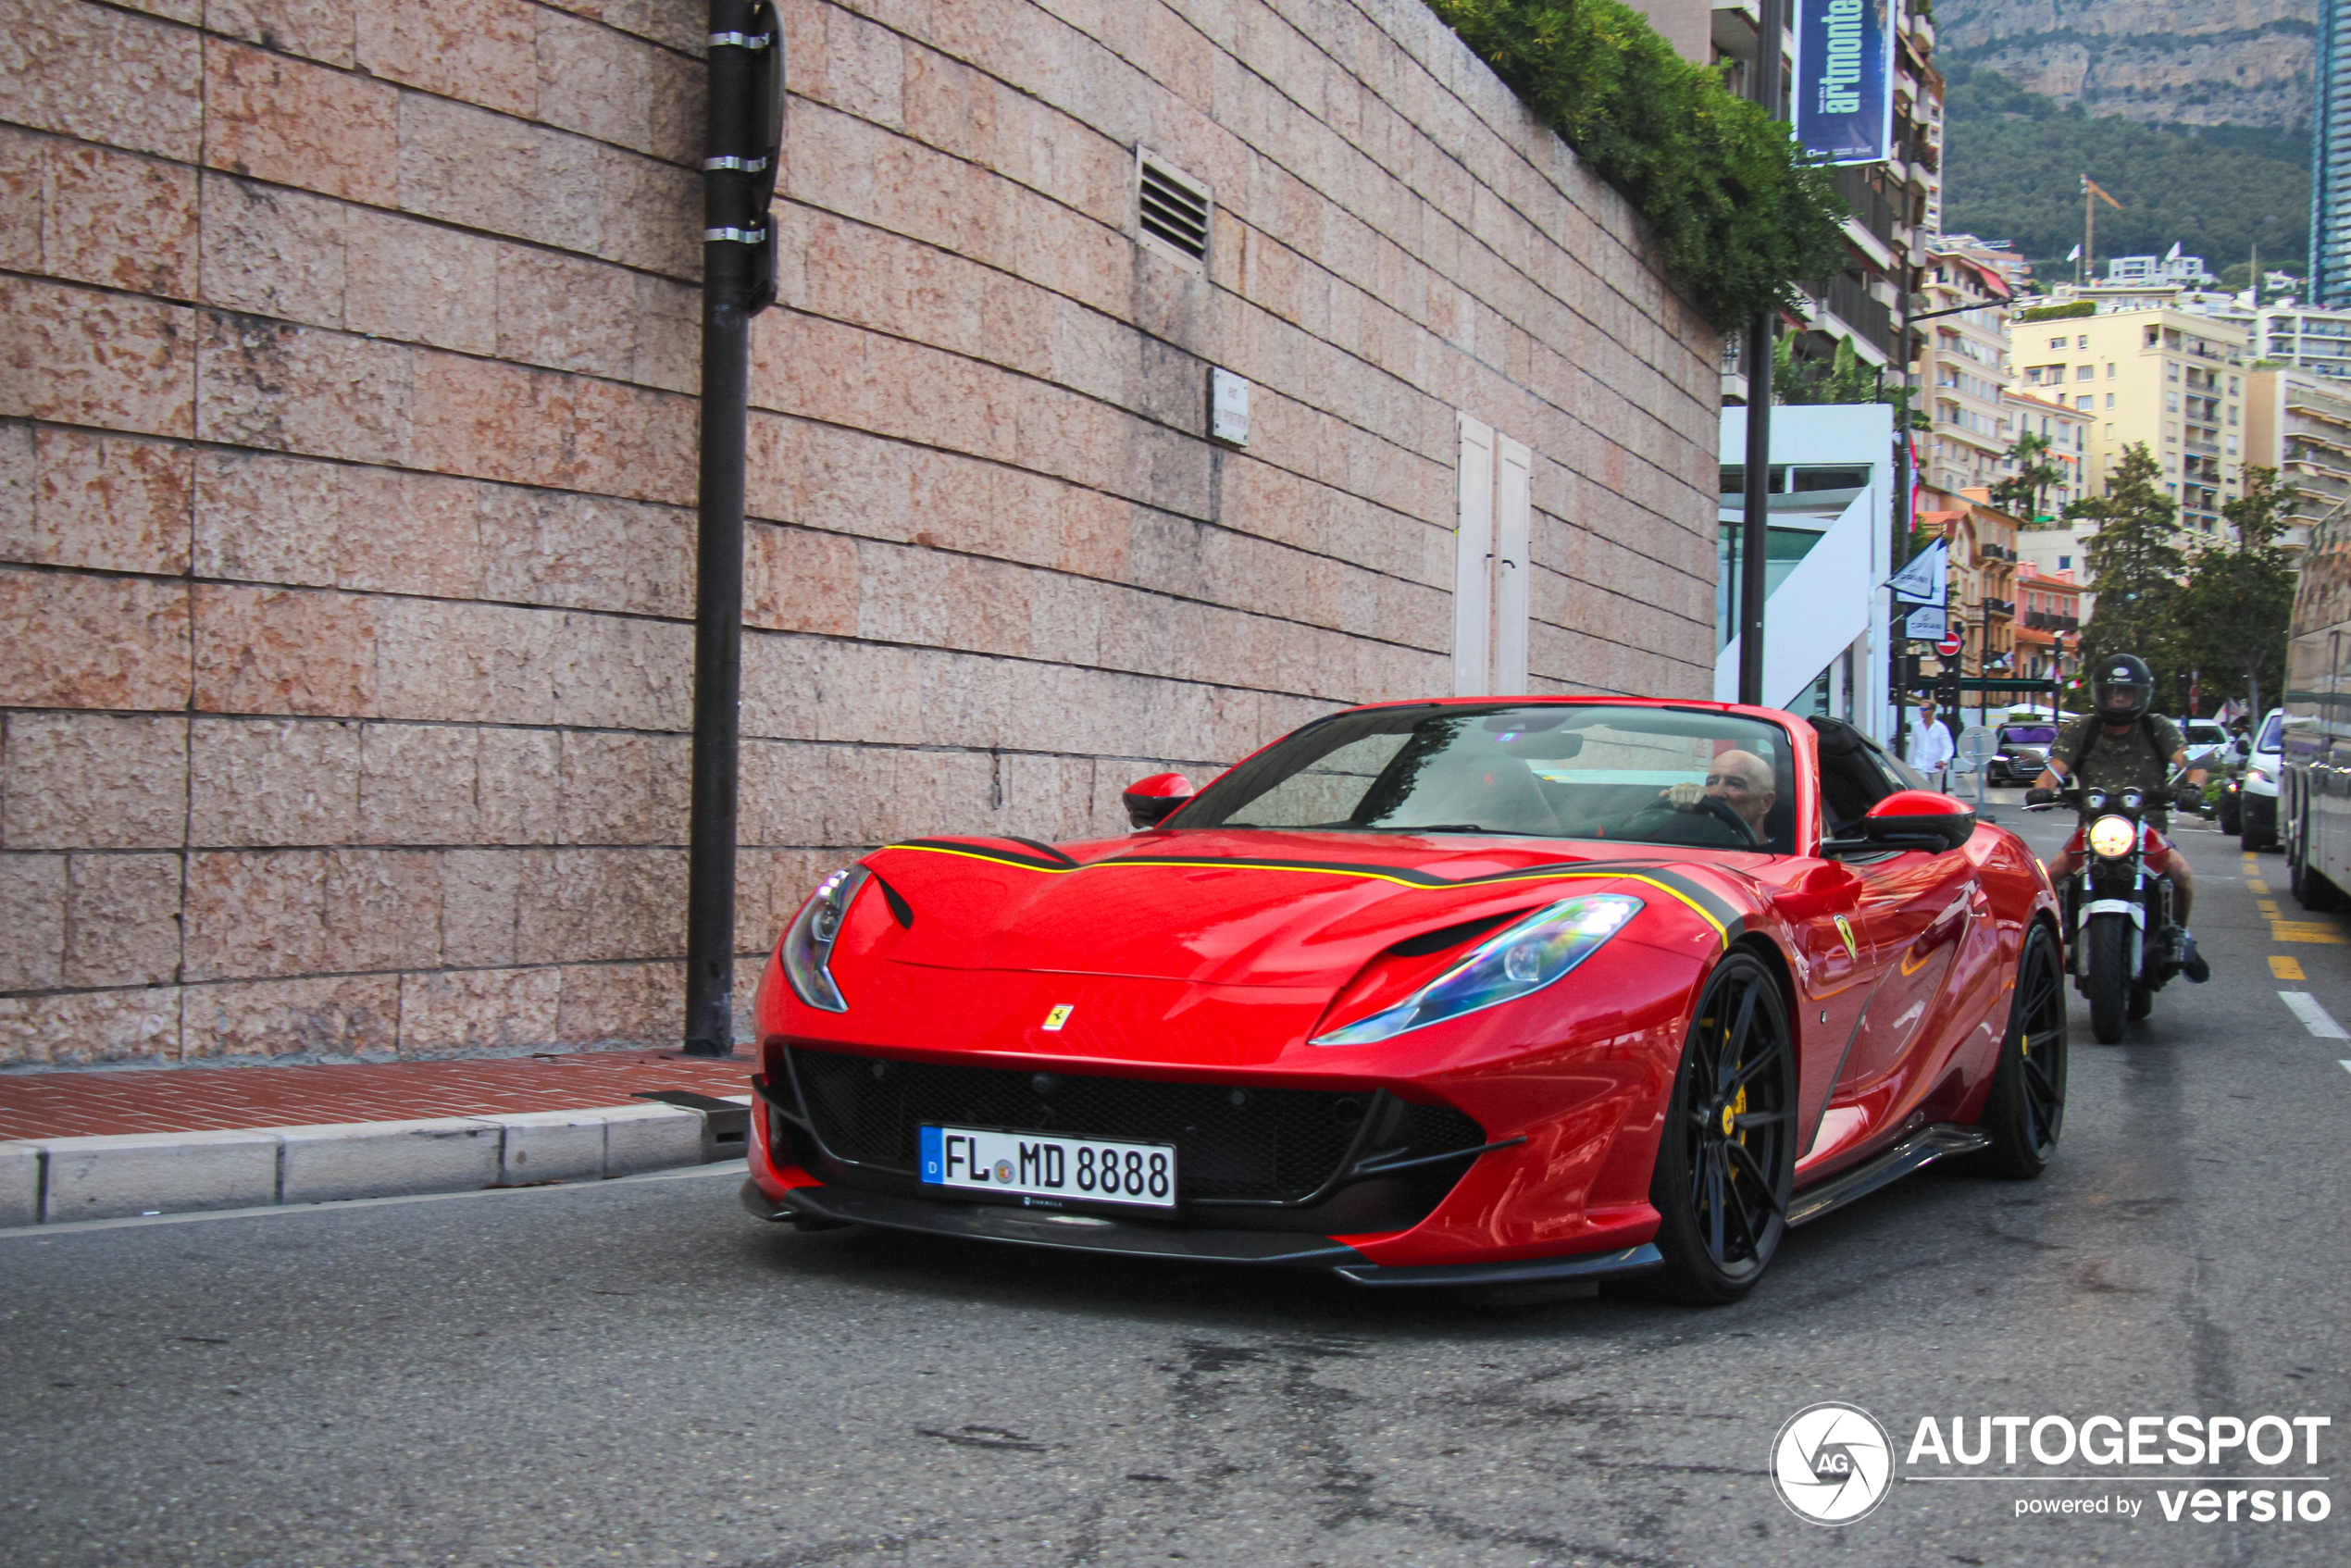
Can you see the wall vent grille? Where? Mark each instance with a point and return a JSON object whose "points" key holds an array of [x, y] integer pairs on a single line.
{"points": [[1174, 209]]}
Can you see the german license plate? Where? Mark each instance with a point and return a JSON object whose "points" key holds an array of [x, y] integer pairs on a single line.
{"points": [[1042, 1165]]}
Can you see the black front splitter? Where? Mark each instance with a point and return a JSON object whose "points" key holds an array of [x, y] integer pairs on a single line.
{"points": [[1101, 1233], [1046, 1227]]}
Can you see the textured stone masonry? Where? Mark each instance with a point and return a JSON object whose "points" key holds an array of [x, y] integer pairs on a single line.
{"points": [[348, 363]]}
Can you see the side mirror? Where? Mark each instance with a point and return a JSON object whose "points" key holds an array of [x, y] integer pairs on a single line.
{"points": [[1919, 820], [1153, 801]]}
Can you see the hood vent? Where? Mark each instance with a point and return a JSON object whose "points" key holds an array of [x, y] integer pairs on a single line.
{"points": [[1174, 210]]}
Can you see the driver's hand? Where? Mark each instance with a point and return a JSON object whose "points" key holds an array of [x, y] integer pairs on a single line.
{"points": [[1684, 796], [2038, 796]]}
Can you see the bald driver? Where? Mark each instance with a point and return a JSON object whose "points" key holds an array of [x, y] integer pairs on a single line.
{"points": [[1741, 781]]}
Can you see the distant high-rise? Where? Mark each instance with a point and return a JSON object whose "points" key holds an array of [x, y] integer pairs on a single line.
{"points": [[2331, 160]]}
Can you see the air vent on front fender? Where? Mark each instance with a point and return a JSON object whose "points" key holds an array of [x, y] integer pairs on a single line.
{"points": [[1174, 210]]}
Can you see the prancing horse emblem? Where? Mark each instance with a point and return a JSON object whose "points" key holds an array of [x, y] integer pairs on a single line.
{"points": [[1057, 1018], [1845, 930]]}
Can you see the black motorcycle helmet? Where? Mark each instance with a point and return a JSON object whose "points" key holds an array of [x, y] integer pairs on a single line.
{"points": [[2123, 688]]}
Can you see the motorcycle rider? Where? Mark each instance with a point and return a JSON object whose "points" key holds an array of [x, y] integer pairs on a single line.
{"points": [[2122, 746]]}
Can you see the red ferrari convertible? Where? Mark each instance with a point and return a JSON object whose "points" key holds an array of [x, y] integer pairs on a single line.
{"points": [[1476, 992]]}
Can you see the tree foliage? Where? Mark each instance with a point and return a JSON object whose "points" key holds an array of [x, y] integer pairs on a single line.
{"points": [[1842, 378], [2234, 610], [2025, 493], [1738, 213], [2015, 159], [2135, 562]]}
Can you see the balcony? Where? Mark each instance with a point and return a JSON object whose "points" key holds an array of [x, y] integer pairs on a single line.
{"points": [[2049, 620], [1873, 209], [2002, 608], [1851, 303], [1989, 552]]}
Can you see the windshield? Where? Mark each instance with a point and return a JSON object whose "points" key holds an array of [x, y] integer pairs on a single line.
{"points": [[2269, 741], [1660, 775], [2027, 735]]}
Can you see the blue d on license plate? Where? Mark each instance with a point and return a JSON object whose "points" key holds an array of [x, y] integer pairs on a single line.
{"points": [[1042, 1165]]}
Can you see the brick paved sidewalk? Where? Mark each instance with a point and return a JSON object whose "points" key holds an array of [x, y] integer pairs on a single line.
{"points": [[39, 1105]]}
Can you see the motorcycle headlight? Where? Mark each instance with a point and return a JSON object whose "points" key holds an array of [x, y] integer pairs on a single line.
{"points": [[2113, 836], [1518, 962], [806, 951], [2256, 775]]}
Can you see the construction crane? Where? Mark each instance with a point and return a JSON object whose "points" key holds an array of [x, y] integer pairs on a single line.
{"points": [[2091, 194]]}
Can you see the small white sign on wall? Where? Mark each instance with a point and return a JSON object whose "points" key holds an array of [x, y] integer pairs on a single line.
{"points": [[1228, 408]]}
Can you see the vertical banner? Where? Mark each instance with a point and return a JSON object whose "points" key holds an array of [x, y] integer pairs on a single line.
{"points": [[1843, 99]]}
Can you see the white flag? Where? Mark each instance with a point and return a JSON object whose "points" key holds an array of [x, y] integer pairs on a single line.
{"points": [[2173, 254], [1926, 579], [2073, 254]]}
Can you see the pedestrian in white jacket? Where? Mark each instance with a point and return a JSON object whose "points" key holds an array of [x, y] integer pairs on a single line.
{"points": [[1931, 748]]}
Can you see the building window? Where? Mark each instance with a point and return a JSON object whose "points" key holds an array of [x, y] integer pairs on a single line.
{"points": [[2109, 370], [2082, 342], [2083, 402], [2057, 343]]}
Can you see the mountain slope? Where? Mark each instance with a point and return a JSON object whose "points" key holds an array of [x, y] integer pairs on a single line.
{"points": [[2188, 62], [2013, 161]]}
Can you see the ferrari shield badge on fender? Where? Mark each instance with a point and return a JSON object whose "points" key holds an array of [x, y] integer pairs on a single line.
{"points": [[1845, 930], [1060, 1016]]}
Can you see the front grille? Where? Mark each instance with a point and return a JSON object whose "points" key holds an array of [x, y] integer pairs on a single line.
{"points": [[1234, 1143]]}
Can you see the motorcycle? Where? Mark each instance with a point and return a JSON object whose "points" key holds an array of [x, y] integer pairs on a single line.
{"points": [[2119, 931]]}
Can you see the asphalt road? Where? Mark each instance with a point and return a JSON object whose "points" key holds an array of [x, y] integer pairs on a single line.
{"points": [[638, 1372]]}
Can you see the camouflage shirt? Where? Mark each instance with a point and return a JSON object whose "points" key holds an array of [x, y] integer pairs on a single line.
{"points": [[2121, 762]]}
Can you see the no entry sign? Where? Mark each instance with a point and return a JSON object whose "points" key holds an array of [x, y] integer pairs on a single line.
{"points": [[1950, 645]]}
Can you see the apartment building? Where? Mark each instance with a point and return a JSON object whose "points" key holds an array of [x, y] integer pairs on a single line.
{"points": [[2066, 430], [2305, 337], [2048, 622], [2299, 423], [1963, 365], [2330, 158], [1897, 205], [1984, 570], [2156, 374]]}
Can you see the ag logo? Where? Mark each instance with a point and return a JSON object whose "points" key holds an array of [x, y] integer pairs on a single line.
{"points": [[1832, 1463]]}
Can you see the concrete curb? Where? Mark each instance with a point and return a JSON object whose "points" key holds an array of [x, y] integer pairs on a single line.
{"points": [[59, 1180]]}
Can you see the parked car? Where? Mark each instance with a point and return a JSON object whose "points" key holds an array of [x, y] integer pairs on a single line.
{"points": [[2019, 752], [2250, 809]]}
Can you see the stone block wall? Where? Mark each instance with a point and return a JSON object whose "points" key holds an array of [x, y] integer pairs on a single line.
{"points": [[347, 458]]}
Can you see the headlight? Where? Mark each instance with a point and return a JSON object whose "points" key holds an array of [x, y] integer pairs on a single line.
{"points": [[2256, 775], [807, 948], [2112, 836], [1519, 962]]}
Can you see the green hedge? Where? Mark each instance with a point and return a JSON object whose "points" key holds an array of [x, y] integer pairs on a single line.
{"points": [[1738, 214], [2059, 312]]}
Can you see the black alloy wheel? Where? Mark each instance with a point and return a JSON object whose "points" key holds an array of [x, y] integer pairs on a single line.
{"points": [[1726, 1164], [2025, 1111]]}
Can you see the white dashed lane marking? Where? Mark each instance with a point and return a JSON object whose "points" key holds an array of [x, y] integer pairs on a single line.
{"points": [[2314, 1018]]}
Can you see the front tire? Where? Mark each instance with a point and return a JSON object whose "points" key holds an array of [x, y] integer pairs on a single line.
{"points": [[2025, 1111], [2109, 978], [1726, 1165]]}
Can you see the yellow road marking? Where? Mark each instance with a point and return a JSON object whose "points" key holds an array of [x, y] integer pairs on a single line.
{"points": [[2258, 885], [2304, 931], [2268, 908], [2284, 968]]}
